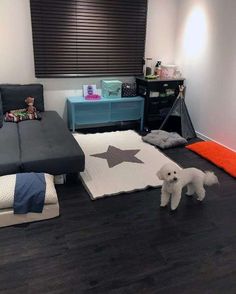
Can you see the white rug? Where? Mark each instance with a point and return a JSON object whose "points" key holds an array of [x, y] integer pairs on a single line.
{"points": [[117, 162]]}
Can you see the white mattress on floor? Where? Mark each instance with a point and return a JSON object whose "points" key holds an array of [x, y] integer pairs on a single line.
{"points": [[7, 190], [8, 218]]}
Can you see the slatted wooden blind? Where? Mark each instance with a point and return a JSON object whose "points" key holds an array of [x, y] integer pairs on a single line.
{"points": [[75, 38]]}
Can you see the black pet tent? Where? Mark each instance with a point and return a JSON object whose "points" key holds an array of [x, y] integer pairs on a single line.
{"points": [[180, 110]]}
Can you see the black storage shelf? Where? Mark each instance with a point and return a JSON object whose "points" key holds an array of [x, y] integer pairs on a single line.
{"points": [[157, 99]]}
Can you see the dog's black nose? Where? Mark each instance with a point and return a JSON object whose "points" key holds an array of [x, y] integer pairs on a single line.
{"points": [[175, 179]]}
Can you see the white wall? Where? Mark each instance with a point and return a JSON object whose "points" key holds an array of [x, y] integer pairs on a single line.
{"points": [[206, 47], [161, 26], [16, 49]]}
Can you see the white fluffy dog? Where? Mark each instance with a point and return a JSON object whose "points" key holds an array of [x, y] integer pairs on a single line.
{"points": [[174, 179]]}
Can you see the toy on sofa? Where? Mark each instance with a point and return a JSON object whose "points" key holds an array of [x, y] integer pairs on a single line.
{"points": [[30, 102], [31, 109], [16, 115], [30, 112]]}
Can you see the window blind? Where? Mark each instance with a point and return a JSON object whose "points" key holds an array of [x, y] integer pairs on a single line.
{"points": [[74, 38]]}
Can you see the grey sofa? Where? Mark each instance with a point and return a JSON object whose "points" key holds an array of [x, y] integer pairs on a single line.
{"points": [[44, 145]]}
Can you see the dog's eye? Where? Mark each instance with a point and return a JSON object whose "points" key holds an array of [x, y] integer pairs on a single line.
{"points": [[168, 174], [174, 172]]}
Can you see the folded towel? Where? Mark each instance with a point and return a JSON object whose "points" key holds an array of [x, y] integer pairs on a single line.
{"points": [[29, 193]]}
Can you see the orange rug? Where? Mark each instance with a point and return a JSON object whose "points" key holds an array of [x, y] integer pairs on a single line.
{"points": [[217, 154]]}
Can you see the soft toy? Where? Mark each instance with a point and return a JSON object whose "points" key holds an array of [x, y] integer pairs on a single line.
{"points": [[30, 112], [30, 102]]}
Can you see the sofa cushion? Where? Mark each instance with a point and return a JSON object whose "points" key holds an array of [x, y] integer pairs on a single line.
{"points": [[9, 149], [48, 146], [13, 96]]}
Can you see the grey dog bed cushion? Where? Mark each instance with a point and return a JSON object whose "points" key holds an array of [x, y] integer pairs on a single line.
{"points": [[163, 139]]}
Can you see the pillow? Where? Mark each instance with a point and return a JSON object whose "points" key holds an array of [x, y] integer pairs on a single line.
{"points": [[164, 139], [21, 115], [1, 112], [217, 154], [13, 96]]}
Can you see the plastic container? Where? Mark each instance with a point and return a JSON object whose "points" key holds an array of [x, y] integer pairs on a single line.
{"points": [[168, 71]]}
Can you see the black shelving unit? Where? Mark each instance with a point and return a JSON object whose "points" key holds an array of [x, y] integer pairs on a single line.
{"points": [[159, 95]]}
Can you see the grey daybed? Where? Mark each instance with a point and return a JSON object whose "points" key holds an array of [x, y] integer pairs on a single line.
{"points": [[44, 145]]}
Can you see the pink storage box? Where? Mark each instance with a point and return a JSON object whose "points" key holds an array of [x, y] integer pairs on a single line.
{"points": [[93, 97], [168, 71]]}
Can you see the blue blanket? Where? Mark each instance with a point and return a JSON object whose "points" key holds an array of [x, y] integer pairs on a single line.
{"points": [[29, 193]]}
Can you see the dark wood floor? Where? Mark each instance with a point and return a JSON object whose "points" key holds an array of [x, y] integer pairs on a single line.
{"points": [[126, 244]]}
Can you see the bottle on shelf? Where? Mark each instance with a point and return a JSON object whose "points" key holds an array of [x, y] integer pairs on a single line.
{"points": [[158, 69]]}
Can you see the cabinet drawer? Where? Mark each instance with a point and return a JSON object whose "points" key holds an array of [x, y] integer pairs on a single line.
{"points": [[162, 86], [126, 111], [91, 113], [156, 104]]}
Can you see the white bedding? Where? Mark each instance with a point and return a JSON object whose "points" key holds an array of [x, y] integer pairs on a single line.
{"points": [[8, 218], [7, 188]]}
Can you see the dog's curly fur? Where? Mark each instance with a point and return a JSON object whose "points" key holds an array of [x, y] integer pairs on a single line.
{"points": [[174, 179]]}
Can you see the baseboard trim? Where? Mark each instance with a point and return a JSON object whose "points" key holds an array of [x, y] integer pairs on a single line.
{"points": [[205, 138]]}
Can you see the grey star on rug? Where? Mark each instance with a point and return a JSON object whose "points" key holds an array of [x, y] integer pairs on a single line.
{"points": [[115, 156]]}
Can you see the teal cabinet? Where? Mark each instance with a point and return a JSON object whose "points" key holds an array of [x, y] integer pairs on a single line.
{"points": [[83, 112]]}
